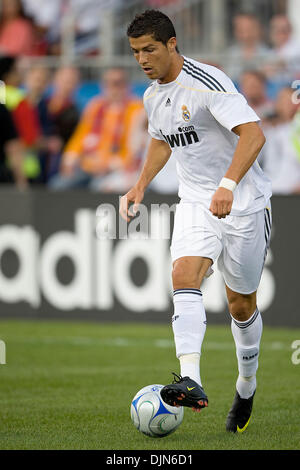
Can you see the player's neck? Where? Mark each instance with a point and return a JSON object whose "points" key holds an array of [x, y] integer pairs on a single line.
{"points": [[174, 70]]}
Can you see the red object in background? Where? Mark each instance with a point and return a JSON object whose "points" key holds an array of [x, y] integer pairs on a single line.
{"points": [[27, 123], [17, 37]]}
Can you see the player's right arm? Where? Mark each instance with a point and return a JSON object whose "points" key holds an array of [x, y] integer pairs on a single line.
{"points": [[158, 154]]}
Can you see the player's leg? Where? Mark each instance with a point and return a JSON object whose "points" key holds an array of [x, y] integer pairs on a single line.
{"points": [[246, 327], [189, 318], [189, 325], [195, 245], [241, 262]]}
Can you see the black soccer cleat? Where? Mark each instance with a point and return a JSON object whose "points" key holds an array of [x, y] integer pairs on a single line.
{"points": [[184, 392], [239, 415]]}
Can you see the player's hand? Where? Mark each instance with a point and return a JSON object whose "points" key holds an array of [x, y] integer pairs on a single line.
{"points": [[221, 203], [136, 196]]}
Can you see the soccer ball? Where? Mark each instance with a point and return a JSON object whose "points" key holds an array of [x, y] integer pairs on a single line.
{"points": [[151, 415]]}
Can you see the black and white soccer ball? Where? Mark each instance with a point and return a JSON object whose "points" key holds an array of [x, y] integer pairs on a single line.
{"points": [[151, 415]]}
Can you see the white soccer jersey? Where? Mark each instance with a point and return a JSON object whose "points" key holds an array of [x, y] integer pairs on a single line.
{"points": [[195, 115]]}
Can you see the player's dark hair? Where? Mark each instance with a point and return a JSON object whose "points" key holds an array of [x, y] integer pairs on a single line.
{"points": [[154, 23]]}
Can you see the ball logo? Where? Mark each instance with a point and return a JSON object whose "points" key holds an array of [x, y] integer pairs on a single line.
{"points": [[185, 113]]}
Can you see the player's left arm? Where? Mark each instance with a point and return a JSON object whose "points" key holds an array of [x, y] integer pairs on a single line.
{"points": [[250, 143]]}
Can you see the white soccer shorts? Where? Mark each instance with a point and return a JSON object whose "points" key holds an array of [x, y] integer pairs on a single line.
{"points": [[238, 243]]}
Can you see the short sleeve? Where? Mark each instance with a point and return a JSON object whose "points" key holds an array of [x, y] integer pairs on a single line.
{"points": [[153, 132], [230, 109]]}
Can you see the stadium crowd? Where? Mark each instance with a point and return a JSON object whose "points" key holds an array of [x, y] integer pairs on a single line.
{"points": [[50, 137]]}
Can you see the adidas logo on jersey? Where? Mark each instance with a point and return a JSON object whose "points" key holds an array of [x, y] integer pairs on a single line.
{"points": [[186, 136], [168, 102]]}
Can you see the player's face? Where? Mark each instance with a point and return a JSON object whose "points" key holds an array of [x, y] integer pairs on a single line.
{"points": [[154, 57]]}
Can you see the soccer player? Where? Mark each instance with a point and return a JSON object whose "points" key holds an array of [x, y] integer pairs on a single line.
{"points": [[197, 116]]}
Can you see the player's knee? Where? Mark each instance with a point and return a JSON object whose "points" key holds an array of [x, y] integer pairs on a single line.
{"points": [[183, 277], [241, 308]]}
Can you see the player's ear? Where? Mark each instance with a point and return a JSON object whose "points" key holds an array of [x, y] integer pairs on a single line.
{"points": [[171, 44]]}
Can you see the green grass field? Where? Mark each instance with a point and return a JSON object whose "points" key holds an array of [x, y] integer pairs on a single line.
{"points": [[69, 386]]}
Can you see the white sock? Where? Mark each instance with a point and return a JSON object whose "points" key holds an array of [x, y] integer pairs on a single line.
{"points": [[247, 337], [190, 366], [246, 386], [189, 326]]}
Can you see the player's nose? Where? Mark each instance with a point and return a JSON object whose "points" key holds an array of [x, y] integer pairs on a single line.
{"points": [[142, 59]]}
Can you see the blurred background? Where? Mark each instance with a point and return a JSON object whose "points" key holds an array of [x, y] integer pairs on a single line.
{"points": [[74, 136]]}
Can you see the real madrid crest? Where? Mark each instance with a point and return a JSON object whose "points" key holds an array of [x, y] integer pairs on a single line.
{"points": [[185, 113]]}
